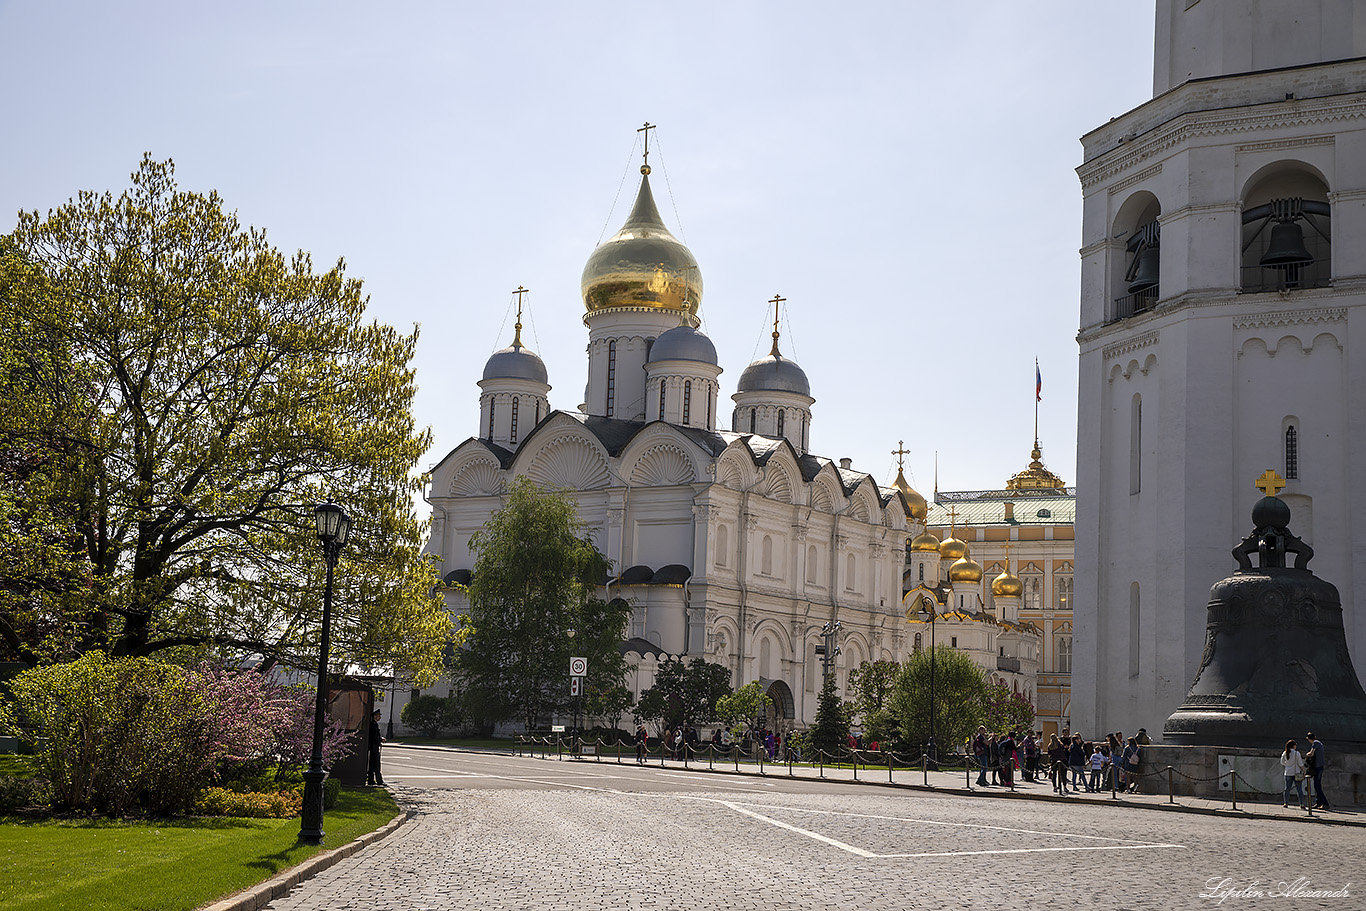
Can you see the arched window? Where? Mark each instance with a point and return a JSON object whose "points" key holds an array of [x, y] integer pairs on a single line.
{"points": [[662, 385], [1032, 580], [850, 565], [781, 414], [687, 402], [922, 571], [1062, 661], [722, 544], [812, 563], [753, 417], [611, 377], [1136, 260], [493, 406], [806, 433], [1136, 444], [1292, 453], [708, 391], [538, 411], [515, 400], [766, 556], [919, 641], [1062, 590]]}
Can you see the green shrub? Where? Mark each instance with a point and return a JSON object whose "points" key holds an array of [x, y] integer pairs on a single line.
{"points": [[23, 793], [112, 735], [331, 792], [432, 715], [253, 804]]}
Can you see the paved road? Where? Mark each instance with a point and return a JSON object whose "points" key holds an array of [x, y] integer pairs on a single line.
{"points": [[495, 832]]}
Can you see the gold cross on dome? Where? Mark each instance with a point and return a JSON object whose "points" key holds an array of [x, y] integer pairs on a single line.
{"points": [[900, 452], [645, 168], [953, 516], [1269, 483]]}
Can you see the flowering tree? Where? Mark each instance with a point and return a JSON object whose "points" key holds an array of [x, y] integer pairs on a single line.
{"points": [[1006, 710]]}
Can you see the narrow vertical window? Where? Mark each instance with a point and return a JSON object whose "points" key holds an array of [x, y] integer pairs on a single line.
{"points": [[1133, 630], [1136, 445], [753, 417], [766, 556], [918, 642], [493, 406], [538, 411], [722, 544], [611, 377], [515, 400], [662, 385], [1292, 453], [687, 402], [709, 409], [806, 433], [812, 563], [781, 413], [922, 572]]}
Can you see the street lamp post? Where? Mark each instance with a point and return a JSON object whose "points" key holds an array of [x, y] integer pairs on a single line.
{"points": [[333, 527], [928, 614]]}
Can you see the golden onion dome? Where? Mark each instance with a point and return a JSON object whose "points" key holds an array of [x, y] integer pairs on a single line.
{"points": [[953, 549], [924, 543], [642, 265], [916, 507], [1007, 585], [966, 570]]}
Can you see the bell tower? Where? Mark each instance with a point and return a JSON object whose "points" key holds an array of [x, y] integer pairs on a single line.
{"points": [[1223, 275]]}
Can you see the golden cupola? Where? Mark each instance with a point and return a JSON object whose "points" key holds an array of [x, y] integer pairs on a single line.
{"points": [[924, 543], [1035, 477], [916, 507], [1007, 585], [952, 549], [965, 570], [642, 266]]}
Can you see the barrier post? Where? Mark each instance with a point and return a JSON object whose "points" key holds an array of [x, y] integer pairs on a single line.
{"points": [[1233, 786], [1171, 793], [925, 769]]}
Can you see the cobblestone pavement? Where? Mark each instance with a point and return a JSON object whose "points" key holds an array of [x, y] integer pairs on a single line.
{"points": [[523, 834]]}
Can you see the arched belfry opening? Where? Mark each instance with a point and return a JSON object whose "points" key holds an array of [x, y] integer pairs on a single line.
{"points": [[1287, 230], [1136, 272]]}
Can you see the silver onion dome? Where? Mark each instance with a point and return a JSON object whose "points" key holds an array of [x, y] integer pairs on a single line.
{"points": [[683, 343], [516, 362], [774, 373]]}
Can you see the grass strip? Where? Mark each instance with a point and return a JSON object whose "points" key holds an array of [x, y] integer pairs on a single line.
{"points": [[163, 865]]}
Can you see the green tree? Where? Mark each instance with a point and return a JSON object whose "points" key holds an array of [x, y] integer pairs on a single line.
{"points": [[609, 702], [959, 693], [432, 716], [535, 579], [220, 390], [870, 685], [746, 705], [684, 694], [830, 730]]}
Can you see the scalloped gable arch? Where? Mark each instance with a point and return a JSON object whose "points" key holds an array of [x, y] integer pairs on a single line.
{"points": [[663, 464], [477, 477], [574, 461]]}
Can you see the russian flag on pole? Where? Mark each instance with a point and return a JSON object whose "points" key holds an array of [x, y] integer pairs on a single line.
{"points": [[1038, 383]]}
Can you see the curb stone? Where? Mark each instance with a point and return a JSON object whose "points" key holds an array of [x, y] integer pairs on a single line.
{"points": [[262, 894]]}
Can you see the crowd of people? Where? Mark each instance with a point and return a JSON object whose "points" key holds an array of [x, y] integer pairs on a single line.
{"points": [[1091, 766]]}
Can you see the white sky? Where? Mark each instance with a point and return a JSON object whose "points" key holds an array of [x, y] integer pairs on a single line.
{"points": [[901, 172]]}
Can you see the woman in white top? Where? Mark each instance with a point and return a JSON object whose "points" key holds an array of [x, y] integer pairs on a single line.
{"points": [[1294, 773]]}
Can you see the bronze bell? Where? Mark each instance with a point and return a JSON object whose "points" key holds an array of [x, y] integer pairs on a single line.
{"points": [[1147, 271], [1286, 248]]}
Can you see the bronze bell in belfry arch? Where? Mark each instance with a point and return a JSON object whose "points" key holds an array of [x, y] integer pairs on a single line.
{"points": [[1286, 248], [1146, 273]]}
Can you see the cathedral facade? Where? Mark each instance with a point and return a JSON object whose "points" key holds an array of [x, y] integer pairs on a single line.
{"points": [[735, 545], [1223, 295]]}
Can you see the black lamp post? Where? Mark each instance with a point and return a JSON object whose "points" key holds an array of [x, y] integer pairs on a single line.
{"points": [[929, 614], [333, 527]]}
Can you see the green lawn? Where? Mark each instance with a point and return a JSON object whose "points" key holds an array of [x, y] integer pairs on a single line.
{"points": [[78, 865]]}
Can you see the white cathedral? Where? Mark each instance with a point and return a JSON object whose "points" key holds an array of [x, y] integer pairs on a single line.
{"points": [[736, 546], [1223, 298]]}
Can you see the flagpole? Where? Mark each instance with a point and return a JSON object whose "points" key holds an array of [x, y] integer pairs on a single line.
{"points": [[1037, 393]]}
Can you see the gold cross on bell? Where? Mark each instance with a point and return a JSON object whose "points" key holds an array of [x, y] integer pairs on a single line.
{"points": [[1269, 483]]}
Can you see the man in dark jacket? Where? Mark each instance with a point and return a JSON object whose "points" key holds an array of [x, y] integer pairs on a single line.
{"points": [[372, 773]]}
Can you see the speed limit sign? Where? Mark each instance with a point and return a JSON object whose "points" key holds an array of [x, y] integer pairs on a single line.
{"points": [[578, 667]]}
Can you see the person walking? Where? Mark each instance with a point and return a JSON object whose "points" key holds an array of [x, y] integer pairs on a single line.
{"points": [[1031, 754], [372, 772], [979, 753], [1076, 761], [642, 744], [1293, 763], [994, 757], [1057, 758], [1097, 764], [1007, 748], [1315, 763]]}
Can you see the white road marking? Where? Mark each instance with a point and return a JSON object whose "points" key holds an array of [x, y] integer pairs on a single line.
{"points": [[791, 828]]}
